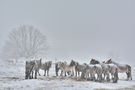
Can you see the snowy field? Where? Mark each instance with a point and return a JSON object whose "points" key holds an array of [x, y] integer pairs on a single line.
{"points": [[12, 78]]}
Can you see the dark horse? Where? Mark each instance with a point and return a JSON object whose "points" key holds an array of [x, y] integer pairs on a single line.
{"points": [[94, 61], [31, 67], [28, 69]]}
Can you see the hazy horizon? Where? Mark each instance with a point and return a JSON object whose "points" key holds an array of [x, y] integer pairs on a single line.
{"points": [[76, 29]]}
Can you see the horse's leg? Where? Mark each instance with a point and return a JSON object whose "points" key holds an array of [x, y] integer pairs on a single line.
{"points": [[56, 69], [99, 77], [92, 77], [115, 77], [104, 76], [48, 72], [35, 74], [127, 76], [112, 75], [65, 74], [44, 72], [76, 73], [32, 75], [39, 73], [108, 77], [130, 75], [61, 73], [56, 73], [72, 71], [129, 72], [100, 80]]}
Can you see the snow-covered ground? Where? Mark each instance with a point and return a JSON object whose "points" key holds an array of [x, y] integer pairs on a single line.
{"points": [[12, 78]]}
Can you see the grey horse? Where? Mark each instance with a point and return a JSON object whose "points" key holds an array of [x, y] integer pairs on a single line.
{"points": [[46, 67], [122, 68]]}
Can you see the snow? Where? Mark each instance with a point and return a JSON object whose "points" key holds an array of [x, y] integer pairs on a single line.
{"points": [[12, 78]]}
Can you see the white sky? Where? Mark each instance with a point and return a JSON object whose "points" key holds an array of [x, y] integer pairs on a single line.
{"points": [[76, 28]]}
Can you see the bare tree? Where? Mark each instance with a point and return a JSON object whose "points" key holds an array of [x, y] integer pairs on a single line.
{"points": [[25, 41]]}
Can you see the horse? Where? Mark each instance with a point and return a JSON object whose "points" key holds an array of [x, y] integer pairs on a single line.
{"points": [[98, 70], [105, 71], [113, 69], [31, 67], [89, 70], [94, 61], [28, 69], [38, 63], [36, 67], [66, 68], [57, 68], [46, 67], [79, 68], [122, 68]]}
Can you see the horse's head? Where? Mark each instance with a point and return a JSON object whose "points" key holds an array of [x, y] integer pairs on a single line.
{"points": [[93, 61], [109, 61]]}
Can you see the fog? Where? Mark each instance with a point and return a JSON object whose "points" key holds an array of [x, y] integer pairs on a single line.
{"points": [[78, 29]]}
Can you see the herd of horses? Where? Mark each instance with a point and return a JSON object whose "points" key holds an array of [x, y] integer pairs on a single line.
{"points": [[94, 71]]}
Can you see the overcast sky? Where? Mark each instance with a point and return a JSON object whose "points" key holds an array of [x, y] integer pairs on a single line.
{"points": [[76, 28]]}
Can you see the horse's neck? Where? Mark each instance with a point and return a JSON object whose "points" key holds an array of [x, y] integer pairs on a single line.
{"points": [[115, 63]]}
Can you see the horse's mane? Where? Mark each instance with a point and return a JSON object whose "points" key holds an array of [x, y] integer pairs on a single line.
{"points": [[110, 60]]}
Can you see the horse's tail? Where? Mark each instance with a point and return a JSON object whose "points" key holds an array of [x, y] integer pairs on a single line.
{"points": [[129, 71]]}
